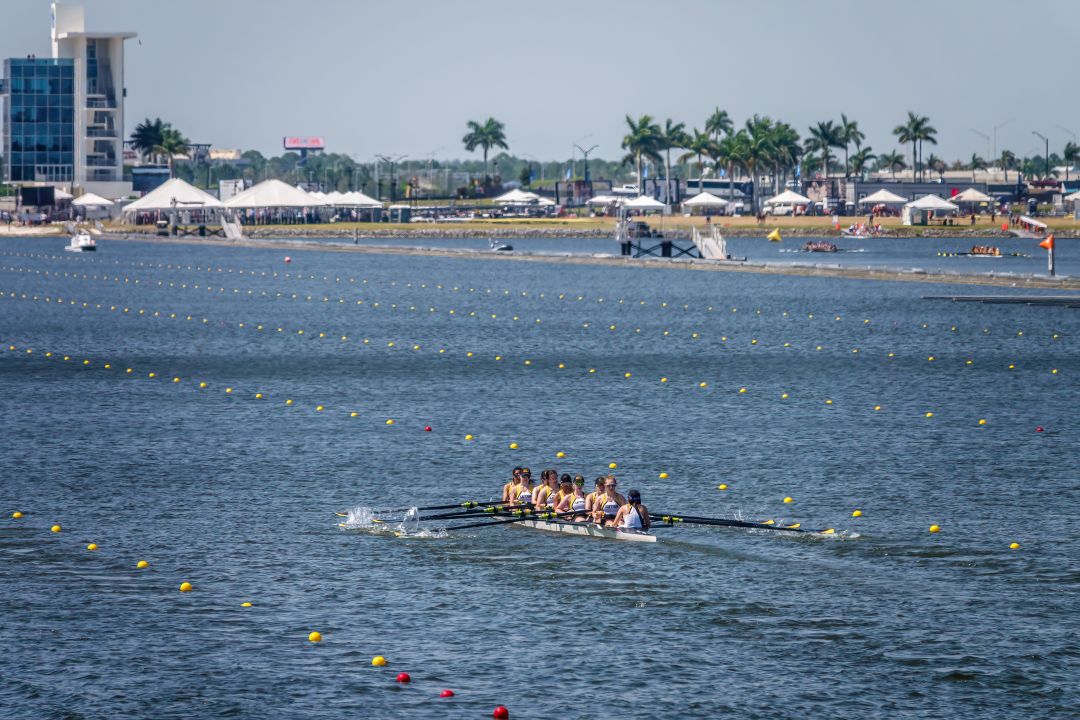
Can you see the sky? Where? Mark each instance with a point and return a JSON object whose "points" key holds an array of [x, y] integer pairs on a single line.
{"points": [[404, 78]]}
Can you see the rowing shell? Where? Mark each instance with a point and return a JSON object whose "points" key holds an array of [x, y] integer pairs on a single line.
{"points": [[589, 529]]}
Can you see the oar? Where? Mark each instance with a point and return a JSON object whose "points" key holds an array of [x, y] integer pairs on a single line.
{"points": [[724, 522], [524, 516], [466, 504], [490, 510]]}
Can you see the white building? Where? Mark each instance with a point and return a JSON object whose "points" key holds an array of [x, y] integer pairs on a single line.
{"points": [[99, 100]]}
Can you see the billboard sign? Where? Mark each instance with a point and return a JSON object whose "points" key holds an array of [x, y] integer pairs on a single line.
{"points": [[304, 143]]}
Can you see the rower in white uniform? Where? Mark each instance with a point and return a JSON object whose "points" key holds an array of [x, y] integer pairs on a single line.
{"points": [[575, 501], [633, 515], [606, 506]]}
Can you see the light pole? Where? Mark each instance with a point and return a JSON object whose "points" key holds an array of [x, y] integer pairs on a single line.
{"points": [[984, 136], [392, 162], [585, 154], [998, 127], [1062, 127], [573, 155], [1047, 155]]}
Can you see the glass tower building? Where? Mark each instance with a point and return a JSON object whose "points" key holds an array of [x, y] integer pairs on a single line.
{"points": [[64, 115], [39, 132]]}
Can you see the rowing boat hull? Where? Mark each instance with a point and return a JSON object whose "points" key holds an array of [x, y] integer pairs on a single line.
{"points": [[587, 529]]}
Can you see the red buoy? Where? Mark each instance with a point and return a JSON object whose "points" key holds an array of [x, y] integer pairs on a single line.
{"points": [[288, 259], [427, 428], [446, 693], [403, 677], [1038, 428], [501, 713]]}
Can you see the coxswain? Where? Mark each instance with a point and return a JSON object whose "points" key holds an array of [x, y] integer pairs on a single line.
{"points": [[574, 502], [633, 515]]}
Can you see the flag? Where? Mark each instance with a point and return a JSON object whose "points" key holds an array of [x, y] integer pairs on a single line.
{"points": [[569, 172], [1048, 243]]}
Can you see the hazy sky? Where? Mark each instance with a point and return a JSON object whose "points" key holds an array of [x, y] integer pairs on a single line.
{"points": [[404, 77]]}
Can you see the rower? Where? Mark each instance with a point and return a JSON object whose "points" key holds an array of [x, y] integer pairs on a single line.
{"points": [[633, 515], [542, 498], [607, 506], [523, 494], [590, 499], [566, 490], [508, 488], [575, 501]]}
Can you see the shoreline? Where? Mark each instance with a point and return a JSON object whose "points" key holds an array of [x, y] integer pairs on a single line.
{"points": [[1041, 282]]}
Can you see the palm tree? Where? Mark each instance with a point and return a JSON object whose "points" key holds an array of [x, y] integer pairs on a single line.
{"points": [[785, 151], [172, 143], [977, 163], [643, 140], [937, 165], [893, 161], [756, 148], [823, 136], [860, 161], [927, 133], [697, 145], [491, 134], [673, 135], [147, 135], [909, 133], [731, 152], [1070, 156], [850, 134], [1008, 162], [719, 122]]}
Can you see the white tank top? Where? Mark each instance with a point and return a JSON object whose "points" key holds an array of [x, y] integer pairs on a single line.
{"points": [[578, 504], [632, 519], [550, 499], [611, 507], [525, 496]]}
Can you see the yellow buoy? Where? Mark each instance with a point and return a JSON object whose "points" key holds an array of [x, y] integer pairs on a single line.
{"points": [[774, 236], [258, 396], [877, 407], [789, 500], [627, 375], [929, 414], [16, 514], [663, 379], [468, 437], [288, 402], [783, 396], [142, 565], [856, 513], [560, 454], [742, 390], [245, 604], [982, 421], [185, 587], [92, 547], [55, 528], [1014, 546], [663, 476], [828, 402], [354, 414], [378, 661], [722, 486], [315, 636], [202, 385], [513, 446], [319, 408], [935, 529], [390, 421]]}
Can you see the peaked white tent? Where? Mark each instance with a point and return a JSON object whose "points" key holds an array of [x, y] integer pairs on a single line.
{"points": [[59, 194], [274, 194], [162, 197], [931, 202], [359, 199], [883, 197], [643, 202], [92, 200], [972, 195], [705, 200], [1072, 198], [788, 197], [516, 197], [603, 200]]}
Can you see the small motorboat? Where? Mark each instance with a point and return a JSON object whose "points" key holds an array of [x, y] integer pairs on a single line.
{"points": [[499, 246], [81, 242]]}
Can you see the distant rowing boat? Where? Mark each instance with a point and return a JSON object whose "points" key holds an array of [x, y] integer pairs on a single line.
{"points": [[589, 529]]}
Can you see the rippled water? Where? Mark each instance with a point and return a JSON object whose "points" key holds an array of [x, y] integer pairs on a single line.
{"points": [[237, 495]]}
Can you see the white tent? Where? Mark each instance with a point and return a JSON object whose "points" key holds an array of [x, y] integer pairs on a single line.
{"points": [[92, 200], [59, 194], [274, 194], [705, 200], [971, 195], [788, 197], [931, 202], [604, 200], [643, 202], [516, 197], [359, 199], [1072, 198], [545, 202], [882, 197], [162, 197]]}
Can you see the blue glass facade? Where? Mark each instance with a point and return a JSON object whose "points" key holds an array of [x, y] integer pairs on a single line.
{"points": [[39, 120]]}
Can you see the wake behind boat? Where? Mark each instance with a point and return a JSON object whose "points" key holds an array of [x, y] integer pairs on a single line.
{"points": [[81, 241]]}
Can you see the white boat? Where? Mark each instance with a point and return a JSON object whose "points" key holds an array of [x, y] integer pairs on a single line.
{"points": [[81, 242], [589, 529]]}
